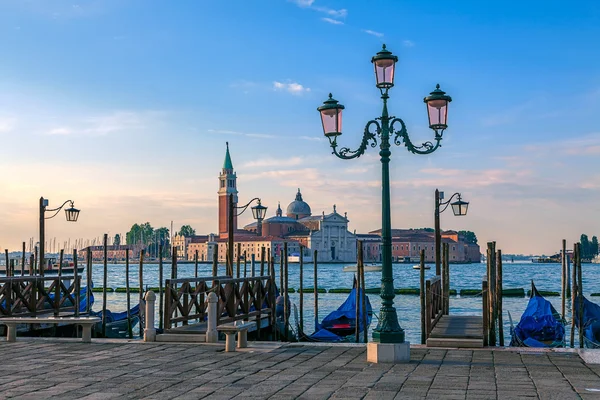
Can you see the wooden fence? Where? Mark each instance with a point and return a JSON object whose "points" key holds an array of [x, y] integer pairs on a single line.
{"points": [[32, 295], [434, 303], [239, 299]]}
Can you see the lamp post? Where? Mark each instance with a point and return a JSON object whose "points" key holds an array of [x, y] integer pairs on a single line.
{"points": [[388, 329], [258, 211], [71, 214], [459, 208]]}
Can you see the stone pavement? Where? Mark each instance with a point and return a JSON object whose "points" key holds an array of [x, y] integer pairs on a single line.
{"points": [[38, 369]]}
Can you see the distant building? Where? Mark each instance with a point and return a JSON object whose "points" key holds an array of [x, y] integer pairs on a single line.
{"points": [[408, 243], [113, 252]]}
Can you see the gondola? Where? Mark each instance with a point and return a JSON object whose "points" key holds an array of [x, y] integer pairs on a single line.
{"points": [[590, 322], [116, 323], [341, 323], [540, 325]]}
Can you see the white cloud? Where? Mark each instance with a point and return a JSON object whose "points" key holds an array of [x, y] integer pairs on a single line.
{"points": [[332, 21], [408, 43], [274, 162], [7, 124], [106, 124], [341, 13], [370, 32], [292, 87], [303, 3], [252, 135], [60, 131], [311, 138]]}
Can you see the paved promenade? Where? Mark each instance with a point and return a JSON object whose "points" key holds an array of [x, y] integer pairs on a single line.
{"points": [[102, 370]]}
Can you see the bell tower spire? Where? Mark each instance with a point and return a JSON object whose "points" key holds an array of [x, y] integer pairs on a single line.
{"points": [[227, 187]]}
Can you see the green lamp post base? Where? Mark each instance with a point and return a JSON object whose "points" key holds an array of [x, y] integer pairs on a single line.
{"points": [[388, 330]]}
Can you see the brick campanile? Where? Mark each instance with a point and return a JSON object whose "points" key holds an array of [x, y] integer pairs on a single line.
{"points": [[227, 186]]}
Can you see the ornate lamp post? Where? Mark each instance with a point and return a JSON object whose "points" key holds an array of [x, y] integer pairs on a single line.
{"points": [[388, 329], [459, 208], [71, 214], [258, 211]]}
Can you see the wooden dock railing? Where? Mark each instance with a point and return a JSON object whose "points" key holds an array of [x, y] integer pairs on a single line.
{"points": [[239, 299], [434, 303], [31, 295]]}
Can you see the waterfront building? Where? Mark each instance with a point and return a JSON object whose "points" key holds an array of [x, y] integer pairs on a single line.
{"points": [[113, 252], [328, 234], [408, 243]]}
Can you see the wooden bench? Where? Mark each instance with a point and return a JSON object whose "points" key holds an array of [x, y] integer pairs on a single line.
{"points": [[239, 327], [85, 322]]}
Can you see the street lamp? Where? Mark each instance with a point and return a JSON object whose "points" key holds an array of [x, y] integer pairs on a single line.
{"points": [[459, 208], [71, 214], [388, 329], [259, 211]]}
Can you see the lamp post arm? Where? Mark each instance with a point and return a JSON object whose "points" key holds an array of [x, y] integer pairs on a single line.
{"points": [[447, 203], [346, 154], [425, 148], [58, 209], [245, 207]]}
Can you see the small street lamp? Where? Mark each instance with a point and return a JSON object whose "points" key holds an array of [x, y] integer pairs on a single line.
{"points": [[258, 212], [459, 208], [388, 329], [71, 214]]}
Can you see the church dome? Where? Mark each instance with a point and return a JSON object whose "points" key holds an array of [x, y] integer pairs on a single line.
{"points": [[298, 208]]}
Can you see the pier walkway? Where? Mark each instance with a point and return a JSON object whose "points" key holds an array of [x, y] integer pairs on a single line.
{"points": [[34, 369]]}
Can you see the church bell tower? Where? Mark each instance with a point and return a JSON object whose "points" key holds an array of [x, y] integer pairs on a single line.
{"points": [[227, 186]]}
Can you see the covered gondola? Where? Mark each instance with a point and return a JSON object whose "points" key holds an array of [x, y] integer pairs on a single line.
{"points": [[540, 325], [589, 322], [341, 323]]}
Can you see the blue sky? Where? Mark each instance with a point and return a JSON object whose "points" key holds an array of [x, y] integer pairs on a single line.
{"points": [[125, 106]]}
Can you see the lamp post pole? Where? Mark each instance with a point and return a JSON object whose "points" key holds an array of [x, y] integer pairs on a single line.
{"points": [[388, 329], [438, 235], [41, 261], [258, 212], [230, 237], [459, 208]]}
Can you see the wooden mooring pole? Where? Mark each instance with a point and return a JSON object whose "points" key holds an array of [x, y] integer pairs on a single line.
{"points": [[104, 282], [286, 305], [160, 287], [363, 295], [239, 254], [573, 294], [580, 294], [316, 292], [88, 276], [499, 297], [128, 291], [422, 298], [563, 279], [301, 289], [262, 261], [23, 260], [76, 284], [141, 293], [215, 260]]}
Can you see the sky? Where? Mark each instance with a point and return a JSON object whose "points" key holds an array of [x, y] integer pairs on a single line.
{"points": [[124, 106]]}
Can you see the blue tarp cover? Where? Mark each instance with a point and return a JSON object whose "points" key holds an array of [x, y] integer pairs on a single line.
{"points": [[347, 312], [591, 320], [539, 325]]}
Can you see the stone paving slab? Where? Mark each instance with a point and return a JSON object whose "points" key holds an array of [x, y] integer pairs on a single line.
{"points": [[41, 369]]}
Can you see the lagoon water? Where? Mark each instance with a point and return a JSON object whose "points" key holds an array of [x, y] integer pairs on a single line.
{"points": [[547, 277]]}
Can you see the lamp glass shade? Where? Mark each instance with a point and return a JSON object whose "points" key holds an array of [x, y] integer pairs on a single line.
{"points": [[72, 214], [331, 117], [384, 63], [332, 122], [459, 208], [384, 73], [437, 111], [259, 211]]}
